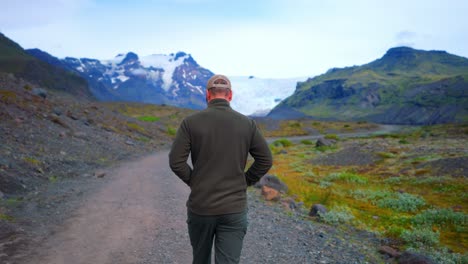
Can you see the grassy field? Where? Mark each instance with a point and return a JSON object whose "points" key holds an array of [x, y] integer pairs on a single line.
{"points": [[411, 187], [288, 128]]}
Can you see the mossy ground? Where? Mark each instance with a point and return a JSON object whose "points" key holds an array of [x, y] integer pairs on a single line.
{"points": [[387, 195]]}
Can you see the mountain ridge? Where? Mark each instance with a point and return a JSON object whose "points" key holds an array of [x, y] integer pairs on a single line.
{"points": [[405, 86], [17, 61]]}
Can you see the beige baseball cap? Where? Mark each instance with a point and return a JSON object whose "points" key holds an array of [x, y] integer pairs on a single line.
{"points": [[218, 81]]}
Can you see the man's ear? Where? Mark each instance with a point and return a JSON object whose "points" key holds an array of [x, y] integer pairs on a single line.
{"points": [[230, 95], [208, 96]]}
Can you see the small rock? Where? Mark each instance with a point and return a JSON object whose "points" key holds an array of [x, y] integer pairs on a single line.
{"points": [[324, 142], [1, 195], [282, 152], [100, 174], [60, 122], [317, 210], [270, 194], [413, 258], [391, 252], [63, 153], [62, 134], [81, 135], [272, 182], [40, 170], [57, 111], [130, 143], [71, 115], [39, 92], [4, 163], [375, 217]]}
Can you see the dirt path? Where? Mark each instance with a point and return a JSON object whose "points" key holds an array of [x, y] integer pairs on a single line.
{"points": [[139, 214], [141, 208]]}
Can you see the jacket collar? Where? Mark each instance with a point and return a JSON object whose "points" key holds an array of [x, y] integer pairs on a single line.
{"points": [[219, 103]]}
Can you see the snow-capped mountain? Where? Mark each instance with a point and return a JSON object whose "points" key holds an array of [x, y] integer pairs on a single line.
{"points": [[174, 79], [257, 96]]}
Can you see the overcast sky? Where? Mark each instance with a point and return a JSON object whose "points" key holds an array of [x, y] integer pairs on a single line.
{"points": [[264, 38]]}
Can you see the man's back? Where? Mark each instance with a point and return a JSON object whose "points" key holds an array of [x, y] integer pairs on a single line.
{"points": [[220, 139]]}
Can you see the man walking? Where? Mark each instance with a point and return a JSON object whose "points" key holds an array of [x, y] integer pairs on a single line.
{"points": [[219, 140]]}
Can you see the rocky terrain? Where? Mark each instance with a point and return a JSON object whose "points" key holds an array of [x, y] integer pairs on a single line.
{"points": [[59, 152], [50, 138]]}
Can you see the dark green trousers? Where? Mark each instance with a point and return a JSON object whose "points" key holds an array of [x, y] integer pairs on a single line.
{"points": [[227, 231]]}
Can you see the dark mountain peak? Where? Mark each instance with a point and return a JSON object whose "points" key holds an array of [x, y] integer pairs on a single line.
{"points": [[180, 54], [9, 48], [44, 56], [189, 60], [130, 58], [400, 53]]}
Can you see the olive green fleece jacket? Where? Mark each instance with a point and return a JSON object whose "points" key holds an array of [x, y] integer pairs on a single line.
{"points": [[219, 140]]}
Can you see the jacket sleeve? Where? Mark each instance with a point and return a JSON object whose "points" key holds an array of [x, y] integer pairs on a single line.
{"points": [[263, 159], [179, 153]]}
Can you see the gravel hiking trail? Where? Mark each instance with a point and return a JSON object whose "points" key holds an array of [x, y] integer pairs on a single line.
{"points": [[141, 208], [139, 216]]}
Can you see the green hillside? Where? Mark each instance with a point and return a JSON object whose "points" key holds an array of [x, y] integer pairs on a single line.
{"points": [[405, 86], [13, 59]]}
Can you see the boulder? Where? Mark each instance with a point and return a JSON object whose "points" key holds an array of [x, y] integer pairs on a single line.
{"points": [[282, 152], [99, 174], [414, 258], [389, 251], [270, 194], [317, 209], [322, 142], [272, 182]]}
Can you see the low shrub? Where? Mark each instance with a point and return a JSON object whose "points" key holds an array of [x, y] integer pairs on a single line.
{"points": [[440, 217], [332, 136], [403, 141], [337, 215], [402, 202], [171, 131], [372, 195], [393, 180], [148, 118], [431, 180], [282, 142], [386, 155], [135, 127], [307, 142], [423, 237], [347, 177]]}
